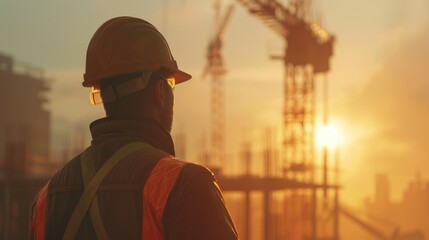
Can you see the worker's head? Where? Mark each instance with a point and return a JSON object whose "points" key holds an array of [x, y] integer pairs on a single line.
{"points": [[153, 99], [130, 68]]}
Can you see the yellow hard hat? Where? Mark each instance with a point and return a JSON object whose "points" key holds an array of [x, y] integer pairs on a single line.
{"points": [[124, 45]]}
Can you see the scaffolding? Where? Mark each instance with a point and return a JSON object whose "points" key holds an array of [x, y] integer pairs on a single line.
{"points": [[296, 193]]}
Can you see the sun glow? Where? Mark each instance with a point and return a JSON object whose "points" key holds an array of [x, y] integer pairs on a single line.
{"points": [[328, 136]]}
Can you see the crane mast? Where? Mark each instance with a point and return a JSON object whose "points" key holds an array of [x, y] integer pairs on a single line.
{"points": [[307, 53], [216, 69], [308, 49]]}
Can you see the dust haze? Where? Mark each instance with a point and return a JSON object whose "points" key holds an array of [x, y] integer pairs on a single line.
{"points": [[392, 113]]}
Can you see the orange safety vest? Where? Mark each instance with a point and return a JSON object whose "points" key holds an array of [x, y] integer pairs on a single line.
{"points": [[155, 194]]}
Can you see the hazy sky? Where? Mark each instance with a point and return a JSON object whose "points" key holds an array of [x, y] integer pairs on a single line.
{"points": [[378, 83]]}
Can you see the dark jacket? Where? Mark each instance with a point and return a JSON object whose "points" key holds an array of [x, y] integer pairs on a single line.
{"points": [[194, 207]]}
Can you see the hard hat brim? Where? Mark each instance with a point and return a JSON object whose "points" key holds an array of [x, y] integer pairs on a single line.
{"points": [[181, 76]]}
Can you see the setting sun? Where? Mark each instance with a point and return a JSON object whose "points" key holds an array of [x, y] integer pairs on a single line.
{"points": [[328, 136]]}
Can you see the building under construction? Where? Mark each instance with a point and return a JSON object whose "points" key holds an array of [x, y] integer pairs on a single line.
{"points": [[291, 198], [24, 143], [294, 198], [25, 121]]}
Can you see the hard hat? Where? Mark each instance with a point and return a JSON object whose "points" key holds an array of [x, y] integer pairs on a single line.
{"points": [[124, 45]]}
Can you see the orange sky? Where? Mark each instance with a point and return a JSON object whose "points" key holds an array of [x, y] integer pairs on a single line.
{"points": [[379, 84]]}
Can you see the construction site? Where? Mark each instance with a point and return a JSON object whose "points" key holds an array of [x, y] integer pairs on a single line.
{"points": [[287, 183]]}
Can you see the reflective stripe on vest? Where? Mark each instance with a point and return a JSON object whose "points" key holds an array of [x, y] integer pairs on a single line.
{"points": [[155, 195], [39, 216]]}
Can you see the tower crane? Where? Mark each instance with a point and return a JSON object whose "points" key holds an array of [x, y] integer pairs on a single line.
{"points": [[216, 69], [309, 48]]}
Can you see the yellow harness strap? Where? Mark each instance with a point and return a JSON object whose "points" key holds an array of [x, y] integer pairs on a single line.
{"points": [[92, 182], [88, 171]]}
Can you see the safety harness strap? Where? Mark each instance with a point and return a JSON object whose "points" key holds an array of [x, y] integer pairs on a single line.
{"points": [[88, 171], [91, 187]]}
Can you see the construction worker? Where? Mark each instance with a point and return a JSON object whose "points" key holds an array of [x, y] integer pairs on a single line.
{"points": [[128, 184]]}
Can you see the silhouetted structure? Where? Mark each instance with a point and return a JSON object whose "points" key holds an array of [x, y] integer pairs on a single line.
{"points": [[308, 50], [216, 69], [409, 216], [24, 144], [24, 125]]}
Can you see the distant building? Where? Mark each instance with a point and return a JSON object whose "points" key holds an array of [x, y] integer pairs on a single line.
{"points": [[410, 215], [24, 121], [382, 190], [24, 144]]}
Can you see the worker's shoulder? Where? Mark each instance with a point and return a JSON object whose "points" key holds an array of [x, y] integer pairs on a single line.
{"points": [[185, 167], [194, 182], [67, 175], [195, 170], [188, 171]]}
